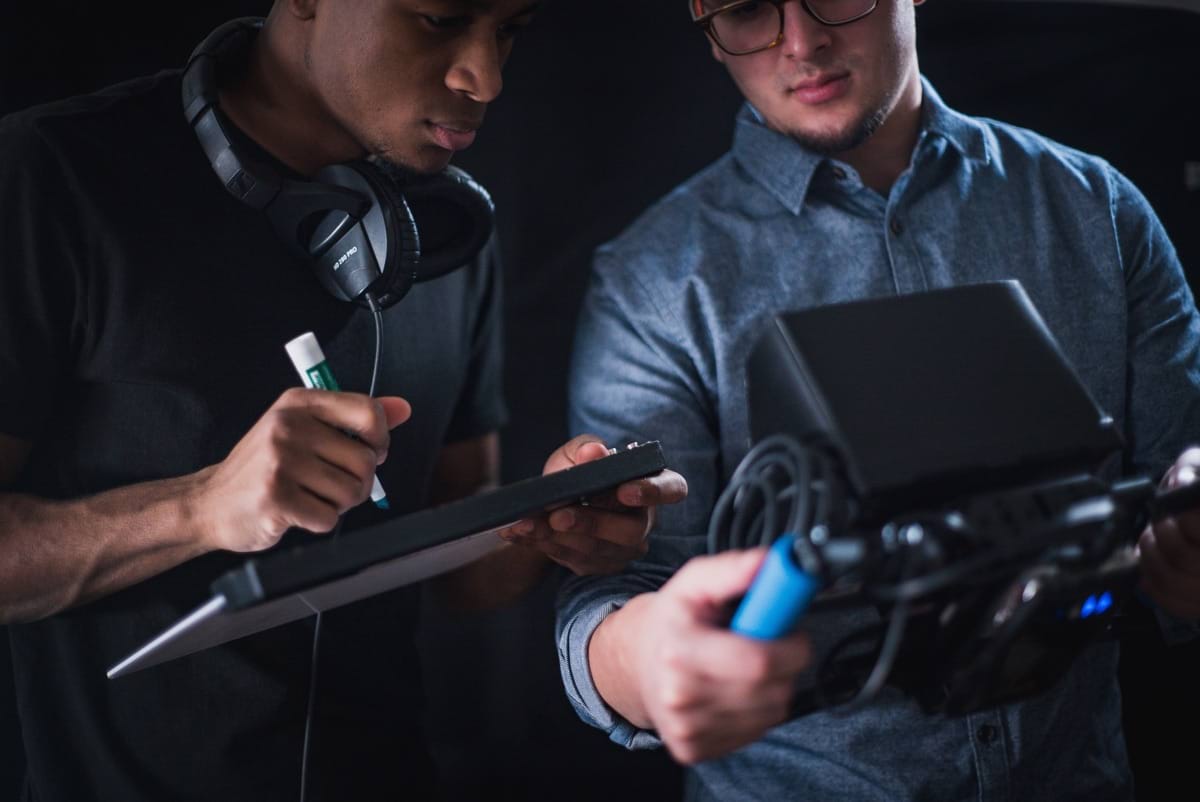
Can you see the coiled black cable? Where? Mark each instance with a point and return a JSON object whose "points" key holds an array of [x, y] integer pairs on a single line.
{"points": [[780, 487]]}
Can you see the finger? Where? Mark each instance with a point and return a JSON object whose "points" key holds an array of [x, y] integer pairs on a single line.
{"points": [[594, 548], [583, 448], [748, 722], [665, 487], [1166, 586], [709, 734], [741, 732], [304, 510], [1185, 469], [396, 410], [716, 579], [528, 530], [577, 562], [726, 657], [517, 530], [334, 448], [621, 528], [332, 484], [1158, 581], [1182, 474], [358, 414], [1164, 540], [702, 694], [1187, 526]]}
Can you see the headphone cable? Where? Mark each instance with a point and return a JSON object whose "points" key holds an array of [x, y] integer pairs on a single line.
{"points": [[377, 315]]}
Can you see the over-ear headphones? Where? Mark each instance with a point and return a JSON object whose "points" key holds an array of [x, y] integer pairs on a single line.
{"points": [[366, 227]]}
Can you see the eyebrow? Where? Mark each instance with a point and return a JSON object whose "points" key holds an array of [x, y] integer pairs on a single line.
{"points": [[488, 5], [527, 10], [706, 6]]}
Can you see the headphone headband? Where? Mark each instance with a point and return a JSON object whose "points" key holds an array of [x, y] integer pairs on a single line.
{"points": [[353, 223], [249, 180]]}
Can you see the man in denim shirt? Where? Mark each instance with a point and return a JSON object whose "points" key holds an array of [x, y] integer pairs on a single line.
{"points": [[849, 178]]}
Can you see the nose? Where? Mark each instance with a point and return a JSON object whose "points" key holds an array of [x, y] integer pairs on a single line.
{"points": [[476, 69], [803, 36]]}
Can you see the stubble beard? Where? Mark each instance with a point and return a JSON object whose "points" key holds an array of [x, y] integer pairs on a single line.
{"points": [[849, 139]]}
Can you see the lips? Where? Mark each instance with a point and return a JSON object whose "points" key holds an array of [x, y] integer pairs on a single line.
{"points": [[821, 89], [453, 135]]}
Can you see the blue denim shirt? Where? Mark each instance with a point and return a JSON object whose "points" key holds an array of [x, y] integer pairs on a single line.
{"points": [[675, 305]]}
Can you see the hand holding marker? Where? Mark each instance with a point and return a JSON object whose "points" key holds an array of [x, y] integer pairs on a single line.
{"points": [[309, 361]]}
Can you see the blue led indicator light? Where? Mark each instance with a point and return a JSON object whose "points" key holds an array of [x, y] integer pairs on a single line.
{"points": [[1104, 602], [1089, 607]]}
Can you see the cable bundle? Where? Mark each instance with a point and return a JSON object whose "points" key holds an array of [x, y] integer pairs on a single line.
{"points": [[780, 487]]}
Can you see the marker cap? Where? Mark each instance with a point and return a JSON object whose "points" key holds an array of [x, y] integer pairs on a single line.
{"points": [[305, 352]]}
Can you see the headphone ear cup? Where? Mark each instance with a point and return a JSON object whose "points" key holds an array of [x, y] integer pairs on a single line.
{"points": [[454, 214], [389, 227]]}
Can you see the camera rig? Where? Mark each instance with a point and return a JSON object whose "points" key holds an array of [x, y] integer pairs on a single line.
{"points": [[969, 505]]}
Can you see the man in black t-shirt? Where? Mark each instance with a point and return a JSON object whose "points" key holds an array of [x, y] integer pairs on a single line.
{"points": [[147, 435]]}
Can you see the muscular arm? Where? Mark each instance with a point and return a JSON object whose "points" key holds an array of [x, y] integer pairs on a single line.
{"points": [[56, 554], [464, 469], [294, 468]]}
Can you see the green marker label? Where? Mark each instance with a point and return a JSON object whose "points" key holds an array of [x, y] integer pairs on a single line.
{"points": [[321, 378]]}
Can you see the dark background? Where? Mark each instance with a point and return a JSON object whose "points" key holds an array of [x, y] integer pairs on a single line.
{"points": [[607, 107]]}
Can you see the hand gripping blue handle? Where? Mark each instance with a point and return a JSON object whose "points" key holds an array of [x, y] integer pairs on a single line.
{"points": [[778, 596]]}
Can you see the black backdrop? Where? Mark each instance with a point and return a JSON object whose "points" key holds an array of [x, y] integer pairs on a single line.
{"points": [[606, 107]]}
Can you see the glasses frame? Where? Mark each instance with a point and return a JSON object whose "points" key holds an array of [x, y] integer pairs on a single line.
{"points": [[705, 21]]}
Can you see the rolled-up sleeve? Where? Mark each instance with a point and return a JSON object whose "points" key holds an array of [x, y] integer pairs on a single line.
{"points": [[1163, 390], [1163, 393], [634, 377]]}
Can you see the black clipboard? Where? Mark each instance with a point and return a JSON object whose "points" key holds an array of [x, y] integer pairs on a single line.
{"points": [[282, 587]]}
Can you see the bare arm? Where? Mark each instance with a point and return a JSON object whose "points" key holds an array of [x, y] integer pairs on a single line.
{"points": [[54, 555], [293, 468], [464, 469]]}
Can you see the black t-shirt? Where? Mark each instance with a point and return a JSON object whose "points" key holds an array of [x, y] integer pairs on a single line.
{"points": [[143, 313]]}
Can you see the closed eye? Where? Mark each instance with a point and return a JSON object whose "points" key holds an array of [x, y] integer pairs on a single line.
{"points": [[510, 29], [445, 23]]}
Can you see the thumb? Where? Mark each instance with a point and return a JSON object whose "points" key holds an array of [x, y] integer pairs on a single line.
{"points": [[584, 448], [715, 580], [395, 408]]}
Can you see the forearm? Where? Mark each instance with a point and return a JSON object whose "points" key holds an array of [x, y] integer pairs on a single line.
{"points": [[58, 554], [610, 659], [498, 579]]}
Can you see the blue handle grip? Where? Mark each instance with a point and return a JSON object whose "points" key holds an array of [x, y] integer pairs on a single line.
{"points": [[778, 596]]}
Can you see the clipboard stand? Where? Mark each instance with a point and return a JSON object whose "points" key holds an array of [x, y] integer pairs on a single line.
{"points": [[278, 588]]}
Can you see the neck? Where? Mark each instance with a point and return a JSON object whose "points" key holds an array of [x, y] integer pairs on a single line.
{"points": [[273, 104], [887, 153]]}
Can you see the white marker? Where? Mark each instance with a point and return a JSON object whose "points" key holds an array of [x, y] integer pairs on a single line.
{"points": [[309, 361]]}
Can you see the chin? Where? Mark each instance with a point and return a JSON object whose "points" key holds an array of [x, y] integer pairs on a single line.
{"points": [[834, 140], [426, 162]]}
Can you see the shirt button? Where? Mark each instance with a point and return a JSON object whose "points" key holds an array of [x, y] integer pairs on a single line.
{"points": [[987, 733], [897, 227]]}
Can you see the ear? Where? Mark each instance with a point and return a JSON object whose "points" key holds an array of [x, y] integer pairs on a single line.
{"points": [[301, 9], [717, 52]]}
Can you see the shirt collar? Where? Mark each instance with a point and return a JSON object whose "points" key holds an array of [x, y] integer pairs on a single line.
{"points": [[786, 169], [783, 167], [965, 134]]}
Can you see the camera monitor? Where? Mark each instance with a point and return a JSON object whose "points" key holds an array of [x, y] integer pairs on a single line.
{"points": [[924, 398]]}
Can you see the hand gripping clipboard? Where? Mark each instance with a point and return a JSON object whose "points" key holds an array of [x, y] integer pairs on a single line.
{"points": [[281, 587]]}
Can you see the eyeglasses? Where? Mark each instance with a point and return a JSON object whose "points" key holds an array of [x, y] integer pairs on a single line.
{"points": [[748, 26]]}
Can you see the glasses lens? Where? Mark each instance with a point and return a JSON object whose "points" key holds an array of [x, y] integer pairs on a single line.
{"points": [[835, 12], [747, 26]]}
